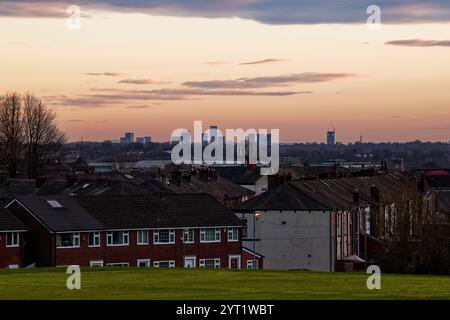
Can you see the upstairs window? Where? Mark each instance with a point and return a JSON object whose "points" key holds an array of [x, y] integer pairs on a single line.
{"points": [[210, 235], [188, 236], [94, 239], [142, 237], [68, 240], [233, 234], [164, 236], [117, 238]]}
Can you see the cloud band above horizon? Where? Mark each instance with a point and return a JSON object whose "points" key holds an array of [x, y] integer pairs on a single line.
{"points": [[265, 11]]}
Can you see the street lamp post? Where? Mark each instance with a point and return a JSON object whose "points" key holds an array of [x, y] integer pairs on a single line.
{"points": [[255, 215]]}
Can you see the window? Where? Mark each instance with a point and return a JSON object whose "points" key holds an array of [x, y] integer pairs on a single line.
{"points": [[118, 238], [94, 239], [13, 266], [188, 236], [164, 236], [251, 265], [233, 234], [12, 239], [96, 263], [143, 263], [164, 264], [68, 240], [118, 264], [142, 237], [210, 235], [210, 263], [54, 204]]}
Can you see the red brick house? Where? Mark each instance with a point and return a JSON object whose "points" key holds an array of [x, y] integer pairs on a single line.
{"points": [[176, 230], [251, 259], [11, 240]]}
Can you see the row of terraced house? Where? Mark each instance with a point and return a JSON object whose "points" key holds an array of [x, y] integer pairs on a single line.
{"points": [[171, 230], [321, 224]]}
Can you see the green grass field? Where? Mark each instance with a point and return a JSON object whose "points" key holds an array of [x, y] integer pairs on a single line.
{"points": [[152, 283]]}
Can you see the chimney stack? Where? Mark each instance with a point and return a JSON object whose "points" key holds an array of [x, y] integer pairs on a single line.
{"points": [[176, 177], [356, 196], [374, 193]]}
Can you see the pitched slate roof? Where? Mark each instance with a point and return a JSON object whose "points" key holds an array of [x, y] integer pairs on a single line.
{"points": [[389, 185], [313, 171], [438, 182], [326, 194], [239, 174], [70, 217], [17, 187], [154, 211], [5, 201], [8, 222], [283, 197], [220, 188], [95, 186]]}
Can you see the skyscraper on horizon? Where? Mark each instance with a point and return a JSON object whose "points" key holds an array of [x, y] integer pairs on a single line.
{"points": [[331, 136], [128, 138]]}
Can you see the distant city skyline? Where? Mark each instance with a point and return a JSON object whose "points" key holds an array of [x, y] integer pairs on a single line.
{"points": [[155, 68]]}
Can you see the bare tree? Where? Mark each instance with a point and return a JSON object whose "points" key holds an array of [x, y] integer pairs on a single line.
{"points": [[42, 135], [11, 132], [414, 241]]}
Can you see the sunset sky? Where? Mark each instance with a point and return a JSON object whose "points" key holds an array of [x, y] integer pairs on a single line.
{"points": [[298, 66]]}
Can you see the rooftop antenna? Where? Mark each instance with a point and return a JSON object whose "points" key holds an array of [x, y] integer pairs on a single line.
{"points": [[81, 147], [332, 127]]}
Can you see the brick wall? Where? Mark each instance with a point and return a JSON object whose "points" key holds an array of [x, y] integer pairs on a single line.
{"points": [[38, 242], [155, 252], [40, 247], [10, 255]]}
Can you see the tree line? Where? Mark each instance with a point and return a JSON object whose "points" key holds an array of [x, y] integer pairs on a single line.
{"points": [[29, 134], [414, 237]]}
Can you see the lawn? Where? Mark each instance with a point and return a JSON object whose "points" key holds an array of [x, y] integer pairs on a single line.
{"points": [[152, 283]]}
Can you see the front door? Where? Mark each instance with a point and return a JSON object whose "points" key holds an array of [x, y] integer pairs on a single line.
{"points": [[189, 262], [235, 262]]}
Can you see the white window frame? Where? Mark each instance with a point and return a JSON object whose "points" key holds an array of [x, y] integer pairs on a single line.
{"points": [[75, 235], [234, 231], [110, 234], [217, 231], [250, 265], [13, 266], [118, 264], [156, 237], [139, 242], [15, 239], [96, 263], [202, 263], [147, 261], [95, 235], [188, 232], [171, 263]]}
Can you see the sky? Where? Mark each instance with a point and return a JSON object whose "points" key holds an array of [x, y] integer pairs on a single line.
{"points": [[298, 66]]}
